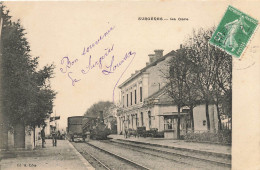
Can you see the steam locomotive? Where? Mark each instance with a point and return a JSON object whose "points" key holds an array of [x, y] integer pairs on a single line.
{"points": [[81, 127]]}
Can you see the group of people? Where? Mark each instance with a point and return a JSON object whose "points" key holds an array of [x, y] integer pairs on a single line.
{"points": [[53, 136]]}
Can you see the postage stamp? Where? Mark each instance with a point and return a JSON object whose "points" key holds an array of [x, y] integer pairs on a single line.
{"points": [[234, 31]]}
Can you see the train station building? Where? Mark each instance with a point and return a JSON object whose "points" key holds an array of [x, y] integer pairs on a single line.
{"points": [[145, 103]]}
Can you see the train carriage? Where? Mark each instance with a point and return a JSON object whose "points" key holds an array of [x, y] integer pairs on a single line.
{"points": [[75, 128], [80, 127]]}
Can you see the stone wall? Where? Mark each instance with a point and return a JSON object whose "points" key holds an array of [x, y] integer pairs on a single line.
{"points": [[199, 114], [29, 142]]}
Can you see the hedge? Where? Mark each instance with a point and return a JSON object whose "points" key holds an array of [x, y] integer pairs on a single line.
{"points": [[219, 137]]}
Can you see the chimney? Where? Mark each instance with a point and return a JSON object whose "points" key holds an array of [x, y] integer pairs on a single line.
{"points": [[132, 74], [180, 46], [152, 57], [158, 54], [147, 63], [136, 71]]}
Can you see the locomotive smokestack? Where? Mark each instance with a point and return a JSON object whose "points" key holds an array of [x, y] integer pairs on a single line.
{"points": [[101, 116]]}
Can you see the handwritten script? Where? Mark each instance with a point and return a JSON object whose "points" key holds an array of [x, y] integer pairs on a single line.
{"points": [[97, 62], [65, 61], [91, 65], [91, 46]]}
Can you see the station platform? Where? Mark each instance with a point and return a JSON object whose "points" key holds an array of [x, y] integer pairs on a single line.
{"points": [[213, 149], [63, 156]]}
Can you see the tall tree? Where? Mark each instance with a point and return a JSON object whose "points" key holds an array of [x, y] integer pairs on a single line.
{"points": [[41, 98], [17, 73], [27, 95], [183, 88], [202, 56], [177, 75], [223, 85], [213, 69], [3, 121], [192, 95]]}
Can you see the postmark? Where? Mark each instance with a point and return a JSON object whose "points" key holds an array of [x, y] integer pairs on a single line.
{"points": [[234, 31]]}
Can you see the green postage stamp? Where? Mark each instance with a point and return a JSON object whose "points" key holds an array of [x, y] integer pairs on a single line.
{"points": [[234, 31]]}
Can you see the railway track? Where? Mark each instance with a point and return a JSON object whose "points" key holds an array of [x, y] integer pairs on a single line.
{"points": [[183, 157], [128, 161], [97, 160], [114, 154], [105, 159]]}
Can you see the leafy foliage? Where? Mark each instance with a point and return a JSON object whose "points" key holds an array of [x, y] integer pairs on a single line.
{"points": [[213, 69], [221, 137], [104, 106], [201, 73], [28, 98]]}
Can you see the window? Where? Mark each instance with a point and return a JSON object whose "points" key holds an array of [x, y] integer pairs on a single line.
{"points": [[131, 94], [136, 120], [185, 110], [127, 100], [141, 94], [132, 121], [142, 119], [169, 123], [135, 96], [123, 101]]}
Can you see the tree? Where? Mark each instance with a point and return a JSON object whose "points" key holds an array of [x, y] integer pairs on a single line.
{"points": [[41, 97], [223, 85], [213, 69], [183, 88], [201, 73], [192, 95], [95, 109], [177, 75], [202, 56], [28, 98]]}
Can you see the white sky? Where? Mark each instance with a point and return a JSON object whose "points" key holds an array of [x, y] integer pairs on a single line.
{"points": [[58, 29]]}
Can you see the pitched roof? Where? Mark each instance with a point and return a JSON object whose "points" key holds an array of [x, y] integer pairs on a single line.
{"points": [[162, 95], [146, 67], [159, 92]]}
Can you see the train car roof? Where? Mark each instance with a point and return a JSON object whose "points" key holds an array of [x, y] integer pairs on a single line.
{"points": [[75, 116]]}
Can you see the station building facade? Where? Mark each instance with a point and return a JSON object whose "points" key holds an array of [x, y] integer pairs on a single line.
{"points": [[145, 102]]}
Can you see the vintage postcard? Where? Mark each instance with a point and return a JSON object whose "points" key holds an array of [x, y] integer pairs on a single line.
{"points": [[129, 85]]}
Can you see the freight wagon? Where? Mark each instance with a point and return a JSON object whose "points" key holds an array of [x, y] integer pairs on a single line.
{"points": [[75, 129]]}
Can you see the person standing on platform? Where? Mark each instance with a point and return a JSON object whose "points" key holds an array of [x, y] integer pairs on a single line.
{"points": [[126, 132], [54, 137]]}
